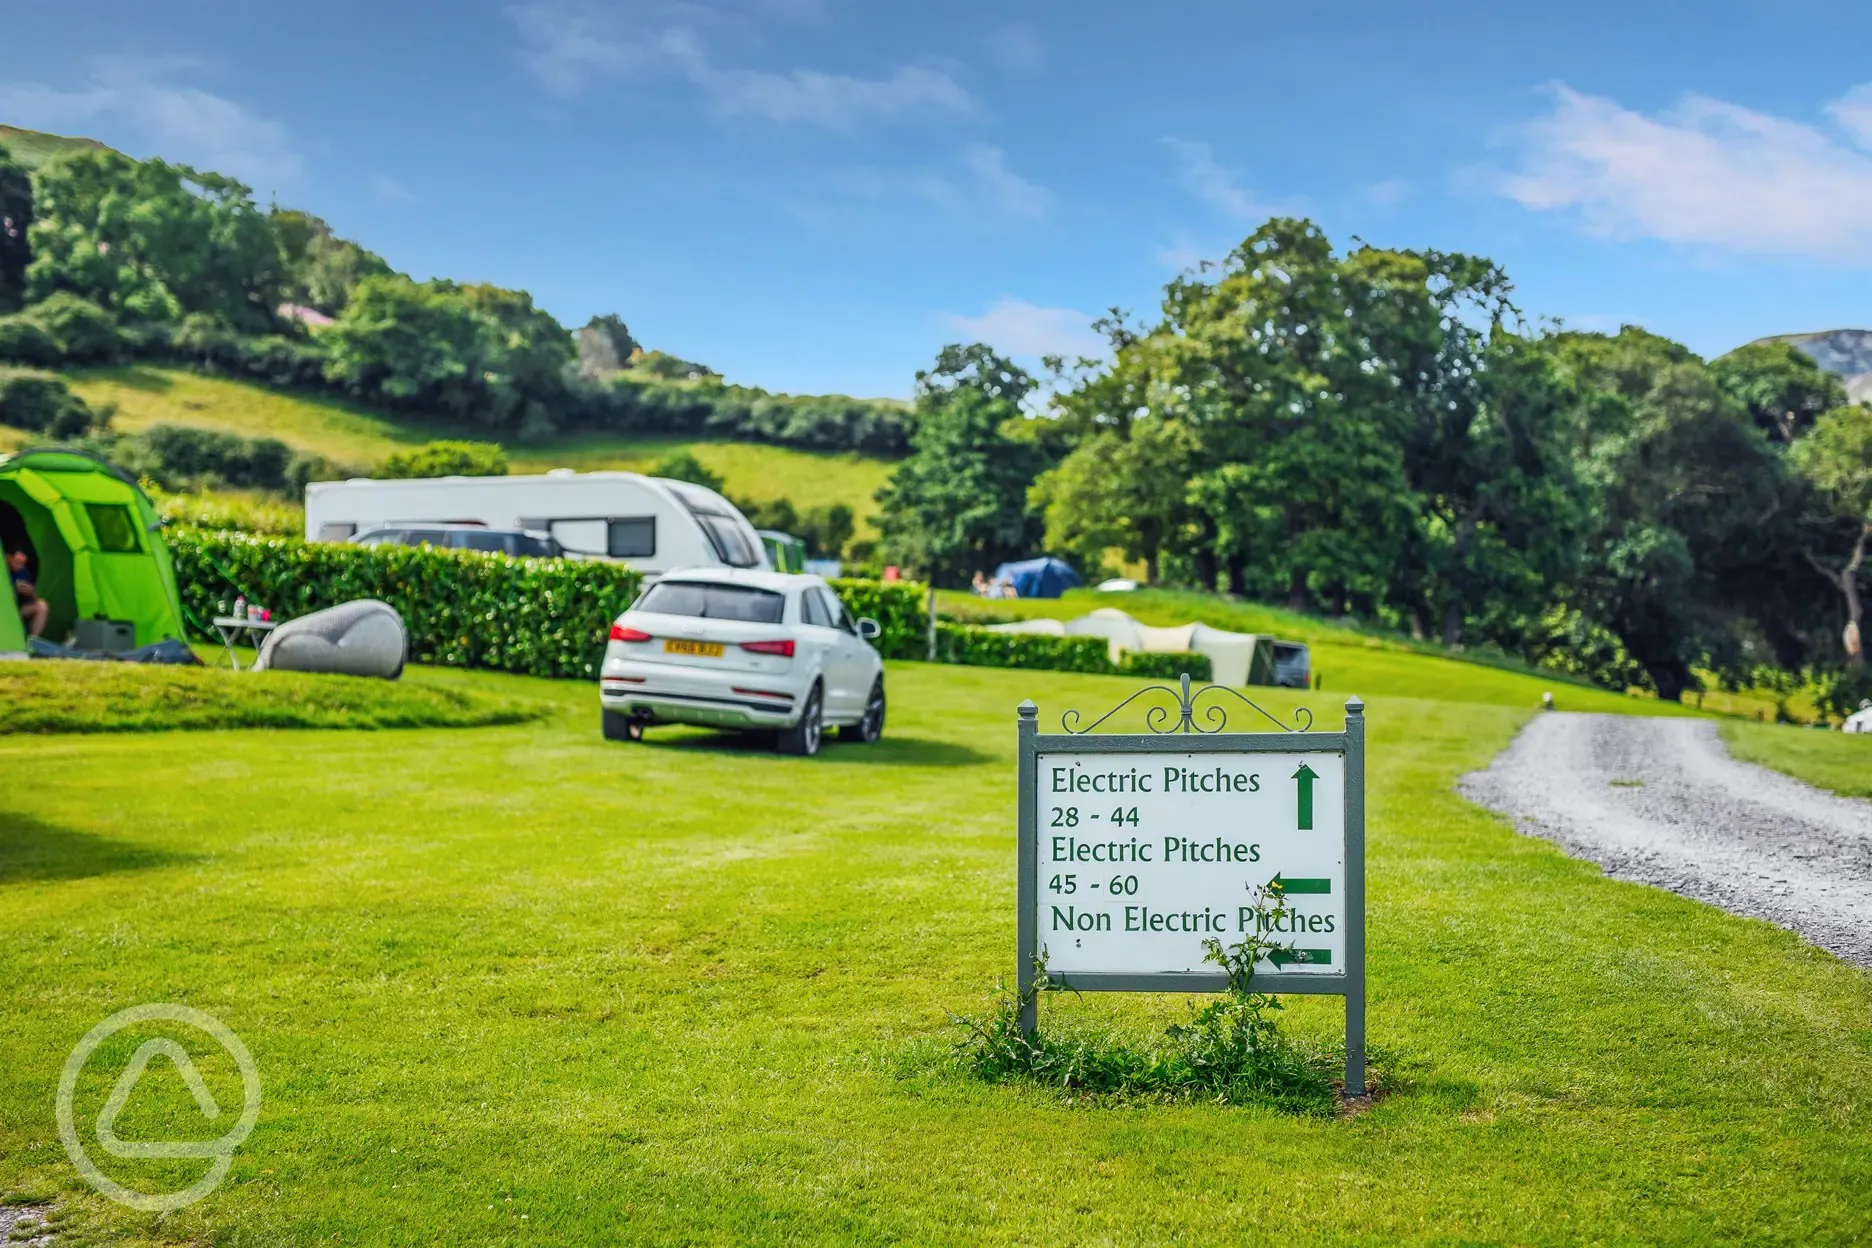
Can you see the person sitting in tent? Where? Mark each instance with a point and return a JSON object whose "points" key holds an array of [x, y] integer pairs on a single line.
{"points": [[32, 608]]}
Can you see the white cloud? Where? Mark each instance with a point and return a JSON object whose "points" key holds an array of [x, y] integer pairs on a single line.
{"points": [[804, 12], [1854, 112], [568, 49], [39, 107], [1184, 252], [386, 187], [835, 101], [1386, 194], [1207, 179], [1025, 330], [565, 50], [1017, 47], [175, 121], [981, 186], [1705, 173], [1006, 191]]}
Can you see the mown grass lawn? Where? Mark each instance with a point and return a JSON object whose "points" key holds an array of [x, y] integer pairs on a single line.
{"points": [[63, 697], [1838, 761], [513, 984]]}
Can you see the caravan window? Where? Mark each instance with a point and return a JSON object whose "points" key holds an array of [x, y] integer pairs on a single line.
{"points": [[486, 539], [731, 544], [630, 537]]}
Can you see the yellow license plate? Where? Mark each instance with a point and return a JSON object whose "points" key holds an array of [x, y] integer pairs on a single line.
{"points": [[701, 649]]}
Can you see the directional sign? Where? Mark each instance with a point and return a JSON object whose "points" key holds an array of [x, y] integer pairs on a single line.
{"points": [[1141, 858], [1137, 848]]}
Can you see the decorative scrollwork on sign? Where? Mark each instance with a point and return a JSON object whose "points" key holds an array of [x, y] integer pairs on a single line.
{"points": [[1186, 716]]}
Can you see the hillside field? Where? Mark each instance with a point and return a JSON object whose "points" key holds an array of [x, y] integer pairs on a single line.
{"points": [[354, 435], [33, 148]]}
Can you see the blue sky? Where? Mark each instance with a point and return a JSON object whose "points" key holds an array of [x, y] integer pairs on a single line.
{"points": [[814, 195]]}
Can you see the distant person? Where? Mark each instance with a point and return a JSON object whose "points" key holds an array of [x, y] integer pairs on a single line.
{"points": [[32, 608], [981, 585]]}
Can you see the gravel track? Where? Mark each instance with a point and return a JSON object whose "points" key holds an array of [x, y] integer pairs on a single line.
{"points": [[1660, 801]]}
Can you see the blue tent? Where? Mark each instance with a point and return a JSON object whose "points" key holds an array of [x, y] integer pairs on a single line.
{"points": [[1045, 577]]}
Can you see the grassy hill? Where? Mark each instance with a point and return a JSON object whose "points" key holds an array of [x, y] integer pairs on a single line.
{"points": [[351, 434], [33, 148]]}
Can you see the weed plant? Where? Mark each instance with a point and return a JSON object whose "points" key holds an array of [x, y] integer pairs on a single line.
{"points": [[1230, 1052]]}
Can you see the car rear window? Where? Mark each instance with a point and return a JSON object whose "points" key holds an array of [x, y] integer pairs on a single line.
{"points": [[713, 602]]}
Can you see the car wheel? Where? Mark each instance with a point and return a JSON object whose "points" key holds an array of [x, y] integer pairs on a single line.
{"points": [[621, 727], [803, 737], [871, 727]]}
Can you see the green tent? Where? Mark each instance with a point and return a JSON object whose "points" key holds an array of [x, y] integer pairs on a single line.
{"points": [[12, 632], [95, 543]]}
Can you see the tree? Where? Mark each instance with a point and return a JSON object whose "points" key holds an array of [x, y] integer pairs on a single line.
{"points": [[682, 465], [479, 353], [16, 203], [1306, 423], [1783, 388], [827, 529], [1500, 506], [1303, 490], [151, 241], [447, 459], [1122, 492], [1682, 485], [321, 269], [959, 502], [1121, 480], [1836, 458]]}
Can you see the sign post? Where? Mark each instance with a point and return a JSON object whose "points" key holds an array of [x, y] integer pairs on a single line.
{"points": [[1135, 849]]}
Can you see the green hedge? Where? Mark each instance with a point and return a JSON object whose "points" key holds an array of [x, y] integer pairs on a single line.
{"points": [[981, 647], [1167, 666], [550, 617], [538, 617], [900, 609]]}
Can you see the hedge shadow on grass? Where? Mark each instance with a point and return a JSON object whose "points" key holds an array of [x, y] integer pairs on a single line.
{"points": [[31, 849]]}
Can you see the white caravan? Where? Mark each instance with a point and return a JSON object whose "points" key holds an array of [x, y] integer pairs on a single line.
{"points": [[653, 523]]}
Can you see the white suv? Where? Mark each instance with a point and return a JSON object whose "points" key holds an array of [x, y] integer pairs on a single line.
{"points": [[742, 649]]}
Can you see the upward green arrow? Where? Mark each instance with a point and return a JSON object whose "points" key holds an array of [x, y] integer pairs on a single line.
{"points": [[1306, 776]]}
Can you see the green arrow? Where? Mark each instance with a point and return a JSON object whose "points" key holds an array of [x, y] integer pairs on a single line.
{"points": [[1312, 957], [1285, 885], [1306, 776]]}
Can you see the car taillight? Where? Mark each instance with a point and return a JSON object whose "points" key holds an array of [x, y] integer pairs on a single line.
{"points": [[620, 633], [782, 648]]}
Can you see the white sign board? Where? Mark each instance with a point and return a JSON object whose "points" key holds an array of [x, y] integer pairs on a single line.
{"points": [[1140, 858]]}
